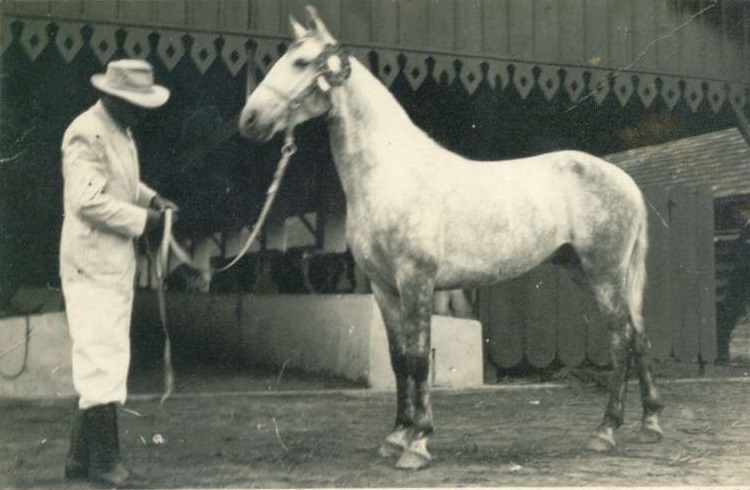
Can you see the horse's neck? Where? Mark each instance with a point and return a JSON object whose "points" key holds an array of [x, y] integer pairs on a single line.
{"points": [[366, 123]]}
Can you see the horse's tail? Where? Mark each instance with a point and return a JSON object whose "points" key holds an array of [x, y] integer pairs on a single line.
{"points": [[635, 281]]}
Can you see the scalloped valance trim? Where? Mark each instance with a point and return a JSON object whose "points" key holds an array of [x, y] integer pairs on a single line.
{"points": [[234, 51]]}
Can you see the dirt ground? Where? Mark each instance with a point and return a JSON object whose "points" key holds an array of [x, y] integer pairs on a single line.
{"points": [[235, 427], [251, 430]]}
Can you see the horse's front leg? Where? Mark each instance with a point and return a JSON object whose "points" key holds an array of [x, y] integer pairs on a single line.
{"points": [[390, 308], [416, 293], [407, 317]]}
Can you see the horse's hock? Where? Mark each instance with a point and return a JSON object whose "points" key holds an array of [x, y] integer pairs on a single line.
{"points": [[338, 335]]}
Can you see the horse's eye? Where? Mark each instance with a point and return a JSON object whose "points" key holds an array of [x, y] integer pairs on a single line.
{"points": [[301, 63]]}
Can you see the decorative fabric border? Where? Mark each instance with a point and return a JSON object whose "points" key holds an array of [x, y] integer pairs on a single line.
{"points": [[205, 49]]}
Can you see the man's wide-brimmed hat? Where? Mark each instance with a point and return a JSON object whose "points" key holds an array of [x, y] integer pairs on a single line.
{"points": [[131, 80]]}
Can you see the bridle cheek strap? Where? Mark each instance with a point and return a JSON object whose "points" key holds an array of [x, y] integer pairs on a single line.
{"points": [[333, 69]]}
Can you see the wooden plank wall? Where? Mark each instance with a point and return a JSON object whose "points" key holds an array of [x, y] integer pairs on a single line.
{"points": [[612, 34], [550, 314]]}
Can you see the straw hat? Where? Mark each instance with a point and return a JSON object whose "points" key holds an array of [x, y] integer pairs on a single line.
{"points": [[133, 81]]}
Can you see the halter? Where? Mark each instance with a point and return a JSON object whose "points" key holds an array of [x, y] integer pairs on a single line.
{"points": [[332, 67], [333, 70]]}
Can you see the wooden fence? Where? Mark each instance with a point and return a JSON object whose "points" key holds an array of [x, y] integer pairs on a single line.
{"points": [[544, 316]]}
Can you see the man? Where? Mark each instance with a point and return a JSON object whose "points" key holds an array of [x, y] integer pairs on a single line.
{"points": [[107, 208]]}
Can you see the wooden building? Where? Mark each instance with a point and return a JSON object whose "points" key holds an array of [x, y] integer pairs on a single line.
{"points": [[721, 161]]}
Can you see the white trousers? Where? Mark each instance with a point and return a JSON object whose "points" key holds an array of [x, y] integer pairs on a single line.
{"points": [[99, 324]]}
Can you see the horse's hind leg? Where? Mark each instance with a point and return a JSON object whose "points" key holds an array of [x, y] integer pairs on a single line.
{"points": [[650, 399], [614, 415], [626, 345]]}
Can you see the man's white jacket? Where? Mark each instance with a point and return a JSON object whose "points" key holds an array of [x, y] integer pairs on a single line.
{"points": [[105, 202]]}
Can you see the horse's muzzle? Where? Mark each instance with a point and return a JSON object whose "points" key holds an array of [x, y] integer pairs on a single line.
{"points": [[247, 124], [251, 128]]}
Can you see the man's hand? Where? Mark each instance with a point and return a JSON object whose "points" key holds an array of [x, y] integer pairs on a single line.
{"points": [[160, 204], [153, 220]]}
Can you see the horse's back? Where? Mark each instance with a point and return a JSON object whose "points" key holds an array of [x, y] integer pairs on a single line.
{"points": [[580, 183], [503, 218], [575, 167], [603, 203], [553, 184]]}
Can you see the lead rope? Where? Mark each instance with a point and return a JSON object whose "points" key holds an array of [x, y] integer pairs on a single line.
{"points": [[169, 243], [289, 149], [162, 265], [328, 78]]}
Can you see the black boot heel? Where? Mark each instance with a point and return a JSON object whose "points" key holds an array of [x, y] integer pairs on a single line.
{"points": [[105, 466], [77, 461]]}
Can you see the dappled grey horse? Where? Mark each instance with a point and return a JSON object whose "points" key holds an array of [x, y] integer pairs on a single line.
{"points": [[422, 219]]}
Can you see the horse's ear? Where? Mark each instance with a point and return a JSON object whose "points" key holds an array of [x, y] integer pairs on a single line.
{"points": [[317, 25], [297, 28]]}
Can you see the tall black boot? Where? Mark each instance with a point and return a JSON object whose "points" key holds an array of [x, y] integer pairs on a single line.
{"points": [[77, 462], [105, 466]]}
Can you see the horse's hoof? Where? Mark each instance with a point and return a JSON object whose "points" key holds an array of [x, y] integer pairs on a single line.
{"points": [[602, 441], [390, 450], [415, 456], [412, 461], [394, 444], [651, 431]]}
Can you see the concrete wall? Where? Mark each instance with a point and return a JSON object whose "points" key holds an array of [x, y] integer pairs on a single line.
{"points": [[327, 334], [35, 356], [340, 335]]}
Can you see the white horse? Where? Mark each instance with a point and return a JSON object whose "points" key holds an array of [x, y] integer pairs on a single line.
{"points": [[422, 219]]}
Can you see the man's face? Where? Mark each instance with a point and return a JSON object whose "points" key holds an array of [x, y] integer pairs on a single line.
{"points": [[126, 114]]}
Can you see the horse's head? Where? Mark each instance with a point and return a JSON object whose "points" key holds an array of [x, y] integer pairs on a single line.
{"points": [[297, 87]]}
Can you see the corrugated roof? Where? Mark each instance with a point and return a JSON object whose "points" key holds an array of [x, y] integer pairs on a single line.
{"points": [[720, 159]]}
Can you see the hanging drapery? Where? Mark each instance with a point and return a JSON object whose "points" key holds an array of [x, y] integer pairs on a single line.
{"points": [[69, 40], [103, 43], [234, 53], [647, 89], [203, 51]]}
